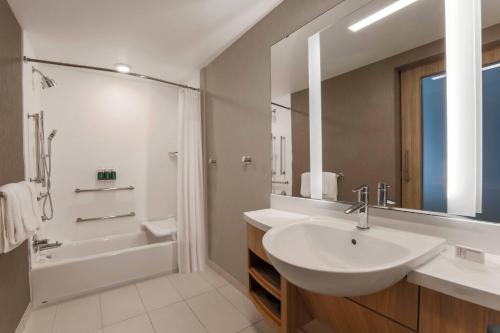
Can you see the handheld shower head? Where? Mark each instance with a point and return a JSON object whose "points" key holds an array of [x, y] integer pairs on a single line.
{"points": [[52, 134]]}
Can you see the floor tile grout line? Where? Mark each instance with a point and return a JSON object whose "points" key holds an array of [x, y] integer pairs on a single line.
{"points": [[197, 318], [234, 306], [120, 321], [101, 312], [144, 305], [54, 319]]}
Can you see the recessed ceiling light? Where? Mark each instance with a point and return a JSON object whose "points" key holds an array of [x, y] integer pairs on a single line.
{"points": [[377, 16], [122, 68]]}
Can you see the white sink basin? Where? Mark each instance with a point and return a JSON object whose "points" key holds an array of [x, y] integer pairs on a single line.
{"points": [[330, 256]]}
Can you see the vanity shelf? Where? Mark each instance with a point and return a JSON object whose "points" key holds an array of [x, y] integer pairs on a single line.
{"points": [[265, 275], [266, 302]]}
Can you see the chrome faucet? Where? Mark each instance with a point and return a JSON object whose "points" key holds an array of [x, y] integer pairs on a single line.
{"points": [[361, 207], [382, 194]]}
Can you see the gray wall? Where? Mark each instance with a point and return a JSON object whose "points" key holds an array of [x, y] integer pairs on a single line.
{"points": [[237, 101], [14, 267]]}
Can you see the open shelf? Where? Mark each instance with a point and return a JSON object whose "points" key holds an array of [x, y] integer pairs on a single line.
{"points": [[268, 304], [265, 274]]}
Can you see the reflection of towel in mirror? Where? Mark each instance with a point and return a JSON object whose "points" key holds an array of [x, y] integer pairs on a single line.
{"points": [[305, 185], [329, 185], [19, 214]]}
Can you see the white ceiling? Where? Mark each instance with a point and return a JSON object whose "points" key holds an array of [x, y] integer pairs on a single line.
{"points": [[169, 39], [343, 51]]}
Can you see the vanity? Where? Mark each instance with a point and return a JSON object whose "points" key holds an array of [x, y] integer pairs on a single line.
{"points": [[403, 307]]}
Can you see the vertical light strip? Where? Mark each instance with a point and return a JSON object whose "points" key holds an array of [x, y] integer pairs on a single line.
{"points": [[315, 140], [464, 106], [478, 48]]}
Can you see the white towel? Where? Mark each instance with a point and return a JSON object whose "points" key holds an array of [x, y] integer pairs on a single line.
{"points": [[19, 214], [329, 185], [305, 185]]}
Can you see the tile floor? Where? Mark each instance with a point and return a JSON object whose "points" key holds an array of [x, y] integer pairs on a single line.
{"points": [[192, 303]]}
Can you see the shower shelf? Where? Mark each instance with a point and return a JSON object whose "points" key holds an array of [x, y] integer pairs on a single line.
{"points": [[104, 189]]}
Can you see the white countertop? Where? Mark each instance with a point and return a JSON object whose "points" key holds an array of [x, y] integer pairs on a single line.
{"points": [[463, 279]]}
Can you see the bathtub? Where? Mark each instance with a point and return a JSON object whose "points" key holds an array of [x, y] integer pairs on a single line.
{"points": [[82, 267]]}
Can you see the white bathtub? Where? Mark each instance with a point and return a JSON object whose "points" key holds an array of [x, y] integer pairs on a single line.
{"points": [[77, 268]]}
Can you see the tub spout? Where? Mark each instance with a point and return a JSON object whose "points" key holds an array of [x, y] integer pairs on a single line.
{"points": [[48, 246]]}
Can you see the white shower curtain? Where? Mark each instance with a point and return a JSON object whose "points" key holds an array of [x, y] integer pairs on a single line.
{"points": [[191, 233]]}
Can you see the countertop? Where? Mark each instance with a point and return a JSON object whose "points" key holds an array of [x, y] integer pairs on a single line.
{"points": [[463, 279]]}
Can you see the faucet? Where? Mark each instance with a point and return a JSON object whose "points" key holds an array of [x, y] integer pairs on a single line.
{"points": [[43, 244], [382, 194], [361, 207]]}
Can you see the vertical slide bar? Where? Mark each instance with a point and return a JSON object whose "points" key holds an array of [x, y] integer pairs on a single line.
{"points": [[315, 138], [464, 106]]}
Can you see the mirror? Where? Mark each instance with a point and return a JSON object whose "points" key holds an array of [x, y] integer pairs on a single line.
{"points": [[386, 112]]}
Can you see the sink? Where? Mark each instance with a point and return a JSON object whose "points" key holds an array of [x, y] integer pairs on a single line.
{"points": [[330, 256]]}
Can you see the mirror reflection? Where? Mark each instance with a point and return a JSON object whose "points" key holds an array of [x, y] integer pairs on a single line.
{"points": [[384, 108]]}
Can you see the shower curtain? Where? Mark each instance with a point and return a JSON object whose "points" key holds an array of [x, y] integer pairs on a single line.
{"points": [[191, 233]]}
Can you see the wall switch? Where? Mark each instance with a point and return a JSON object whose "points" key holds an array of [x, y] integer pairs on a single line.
{"points": [[469, 253]]}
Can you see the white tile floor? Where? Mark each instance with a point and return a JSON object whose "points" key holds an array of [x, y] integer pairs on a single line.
{"points": [[193, 303]]}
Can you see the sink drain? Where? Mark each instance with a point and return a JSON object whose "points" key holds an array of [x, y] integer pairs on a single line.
{"points": [[353, 241]]}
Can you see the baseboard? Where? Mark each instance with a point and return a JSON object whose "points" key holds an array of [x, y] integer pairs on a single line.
{"points": [[24, 319], [231, 279]]}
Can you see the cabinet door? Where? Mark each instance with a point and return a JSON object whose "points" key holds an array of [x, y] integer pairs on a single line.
{"points": [[345, 316], [399, 302], [445, 314]]}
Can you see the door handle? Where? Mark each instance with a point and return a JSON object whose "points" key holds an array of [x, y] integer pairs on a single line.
{"points": [[407, 177]]}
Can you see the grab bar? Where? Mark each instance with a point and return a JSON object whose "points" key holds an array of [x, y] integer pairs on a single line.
{"points": [[101, 218], [104, 189]]}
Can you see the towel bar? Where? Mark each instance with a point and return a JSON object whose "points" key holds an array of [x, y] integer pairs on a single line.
{"points": [[101, 218]]}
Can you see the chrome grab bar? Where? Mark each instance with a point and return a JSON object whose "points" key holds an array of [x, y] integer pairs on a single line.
{"points": [[104, 189], [101, 218], [285, 182], [282, 155]]}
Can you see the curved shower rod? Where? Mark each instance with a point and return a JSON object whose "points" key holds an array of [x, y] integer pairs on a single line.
{"points": [[109, 70]]}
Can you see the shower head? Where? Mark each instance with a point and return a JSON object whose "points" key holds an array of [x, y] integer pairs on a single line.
{"points": [[52, 134], [47, 82]]}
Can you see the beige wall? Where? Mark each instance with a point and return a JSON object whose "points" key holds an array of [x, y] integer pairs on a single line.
{"points": [[238, 122], [14, 267]]}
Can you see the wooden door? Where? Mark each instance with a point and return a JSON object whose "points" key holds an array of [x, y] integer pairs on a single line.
{"points": [[411, 132]]}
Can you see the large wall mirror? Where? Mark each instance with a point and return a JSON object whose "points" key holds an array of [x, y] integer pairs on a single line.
{"points": [[394, 93]]}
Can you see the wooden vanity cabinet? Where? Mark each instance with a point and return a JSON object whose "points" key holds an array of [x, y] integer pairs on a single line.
{"points": [[287, 307], [445, 314], [402, 308]]}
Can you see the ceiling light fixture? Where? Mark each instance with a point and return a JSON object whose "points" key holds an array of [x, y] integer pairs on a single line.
{"points": [[122, 68], [377, 16]]}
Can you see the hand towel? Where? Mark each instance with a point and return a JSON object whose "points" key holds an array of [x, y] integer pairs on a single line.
{"points": [[13, 232], [19, 214], [330, 186], [305, 185]]}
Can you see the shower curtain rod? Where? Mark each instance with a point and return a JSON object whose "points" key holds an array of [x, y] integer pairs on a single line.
{"points": [[281, 106], [109, 70]]}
